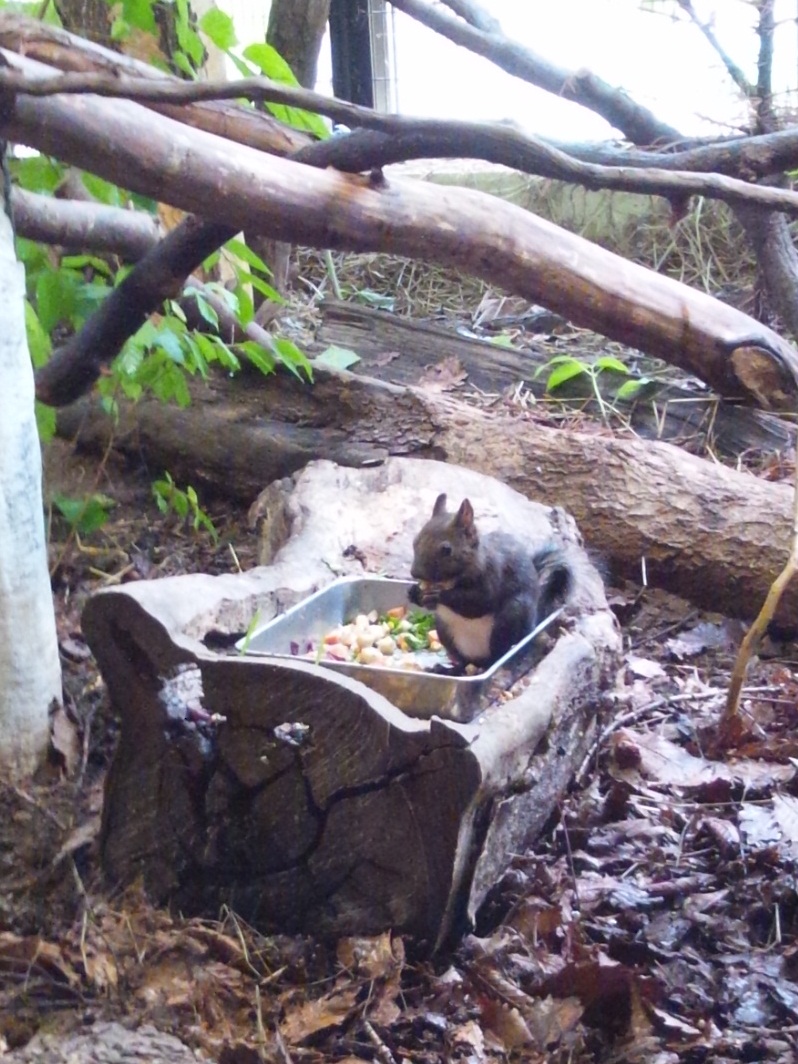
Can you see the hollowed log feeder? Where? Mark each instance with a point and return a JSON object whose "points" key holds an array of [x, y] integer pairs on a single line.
{"points": [[310, 803]]}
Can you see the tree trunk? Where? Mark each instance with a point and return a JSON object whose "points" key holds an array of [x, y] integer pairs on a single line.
{"points": [[713, 535], [307, 800], [30, 670], [296, 30]]}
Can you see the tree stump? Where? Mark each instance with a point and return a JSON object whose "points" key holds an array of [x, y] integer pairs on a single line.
{"points": [[300, 797]]}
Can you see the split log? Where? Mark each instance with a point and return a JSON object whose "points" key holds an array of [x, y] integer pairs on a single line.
{"points": [[716, 536], [311, 803], [469, 230]]}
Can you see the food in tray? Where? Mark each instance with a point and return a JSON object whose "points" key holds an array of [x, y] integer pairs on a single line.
{"points": [[400, 638]]}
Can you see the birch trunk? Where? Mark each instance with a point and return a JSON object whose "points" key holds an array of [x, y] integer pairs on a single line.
{"points": [[30, 672]]}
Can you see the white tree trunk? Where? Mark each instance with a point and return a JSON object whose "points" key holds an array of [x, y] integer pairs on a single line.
{"points": [[30, 671]]}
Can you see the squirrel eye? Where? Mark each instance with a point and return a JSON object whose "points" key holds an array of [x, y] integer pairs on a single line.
{"points": [[445, 550]]}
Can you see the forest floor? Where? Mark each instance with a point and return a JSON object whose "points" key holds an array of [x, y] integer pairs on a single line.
{"points": [[654, 921]]}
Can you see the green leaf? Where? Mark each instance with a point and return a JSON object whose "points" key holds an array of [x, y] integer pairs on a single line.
{"points": [[218, 27], [292, 358], [246, 254], [243, 68], [269, 61], [170, 343], [631, 389], [85, 515], [45, 421], [55, 298], [566, 371], [610, 363], [80, 262], [259, 357], [216, 350], [183, 64], [39, 173], [336, 357], [139, 13], [502, 340], [38, 340], [204, 307], [264, 288], [103, 191]]}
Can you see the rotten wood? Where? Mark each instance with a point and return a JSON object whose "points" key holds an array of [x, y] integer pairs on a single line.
{"points": [[358, 817], [716, 536]]}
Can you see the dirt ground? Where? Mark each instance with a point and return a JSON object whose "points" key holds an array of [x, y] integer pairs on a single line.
{"points": [[655, 921]]}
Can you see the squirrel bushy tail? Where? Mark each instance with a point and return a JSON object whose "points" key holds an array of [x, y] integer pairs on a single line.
{"points": [[556, 580]]}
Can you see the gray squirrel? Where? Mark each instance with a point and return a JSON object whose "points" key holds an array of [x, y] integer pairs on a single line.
{"points": [[488, 591]]}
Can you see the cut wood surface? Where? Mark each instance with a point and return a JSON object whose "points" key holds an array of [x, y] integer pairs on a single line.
{"points": [[312, 803], [286, 200], [712, 534]]}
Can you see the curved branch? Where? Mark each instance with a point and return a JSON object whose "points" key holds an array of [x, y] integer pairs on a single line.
{"points": [[409, 138], [734, 72], [582, 87], [429, 139], [74, 368]]}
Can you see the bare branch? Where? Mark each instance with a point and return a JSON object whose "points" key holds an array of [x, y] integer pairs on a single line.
{"points": [[764, 67], [427, 138], [474, 14], [734, 72], [93, 226], [411, 138], [635, 122]]}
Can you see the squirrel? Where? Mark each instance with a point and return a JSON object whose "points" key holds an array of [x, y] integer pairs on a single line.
{"points": [[488, 591]]}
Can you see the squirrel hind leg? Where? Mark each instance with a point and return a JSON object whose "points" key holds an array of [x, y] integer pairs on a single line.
{"points": [[515, 620], [556, 580]]}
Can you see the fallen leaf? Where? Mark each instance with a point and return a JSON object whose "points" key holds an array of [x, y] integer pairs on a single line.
{"points": [[444, 375], [306, 1019], [672, 765], [644, 668], [65, 741]]}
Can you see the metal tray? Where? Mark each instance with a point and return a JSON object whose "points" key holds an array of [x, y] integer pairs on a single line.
{"points": [[419, 694]]}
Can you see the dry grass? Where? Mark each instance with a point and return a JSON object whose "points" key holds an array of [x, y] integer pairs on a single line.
{"points": [[706, 250]]}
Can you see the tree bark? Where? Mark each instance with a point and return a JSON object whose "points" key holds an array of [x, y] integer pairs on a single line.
{"points": [[82, 225], [67, 52], [296, 30], [459, 227], [307, 801], [30, 670], [709, 533]]}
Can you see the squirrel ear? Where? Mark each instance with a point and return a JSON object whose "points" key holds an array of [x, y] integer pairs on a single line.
{"points": [[440, 505], [465, 515]]}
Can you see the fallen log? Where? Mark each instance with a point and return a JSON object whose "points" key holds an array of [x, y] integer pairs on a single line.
{"points": [[299, 797], [477, 233], [404, 351], [714, 535]]}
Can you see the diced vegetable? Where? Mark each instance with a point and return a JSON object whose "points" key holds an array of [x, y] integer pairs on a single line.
{"points": [[390, 639]]}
